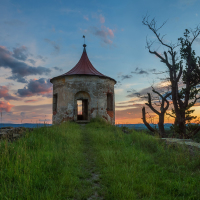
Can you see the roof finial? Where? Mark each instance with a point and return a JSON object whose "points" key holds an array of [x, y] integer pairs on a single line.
{"points": [[84, 50]]}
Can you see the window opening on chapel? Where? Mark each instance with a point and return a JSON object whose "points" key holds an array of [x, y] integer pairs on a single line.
{"points": [[55, 100], [109, 102], [82, 109], [79, 105]]}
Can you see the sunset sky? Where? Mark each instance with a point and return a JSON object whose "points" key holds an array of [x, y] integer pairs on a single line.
{"points": [[42, 39]]}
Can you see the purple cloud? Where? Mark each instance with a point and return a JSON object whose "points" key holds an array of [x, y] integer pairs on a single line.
{"points": [[19, 69], [41, 86]]}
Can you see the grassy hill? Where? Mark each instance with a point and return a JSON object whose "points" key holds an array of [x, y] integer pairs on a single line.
{"points": [[96, 161]]}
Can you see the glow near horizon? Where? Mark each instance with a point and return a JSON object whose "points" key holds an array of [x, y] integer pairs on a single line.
{"points": [[50, 33]]}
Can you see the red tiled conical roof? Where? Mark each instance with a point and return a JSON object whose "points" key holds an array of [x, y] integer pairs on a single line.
{"points": [[84, 66]]}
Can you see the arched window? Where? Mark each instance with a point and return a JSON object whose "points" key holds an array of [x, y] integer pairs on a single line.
{"points": [[109, 102]]}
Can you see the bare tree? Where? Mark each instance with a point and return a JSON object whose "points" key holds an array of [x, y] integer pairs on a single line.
{"points": [[161, 114], [183, 99]]}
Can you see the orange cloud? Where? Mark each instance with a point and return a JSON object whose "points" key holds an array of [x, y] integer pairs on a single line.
{"points": [[5, 106]]}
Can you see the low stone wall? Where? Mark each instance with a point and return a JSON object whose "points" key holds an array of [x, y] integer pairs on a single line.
{"points": [[190, 144], [11, 134]]}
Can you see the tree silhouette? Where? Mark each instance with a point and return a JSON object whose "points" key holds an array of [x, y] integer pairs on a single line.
{"points": [[161, 114], [185, 97]]}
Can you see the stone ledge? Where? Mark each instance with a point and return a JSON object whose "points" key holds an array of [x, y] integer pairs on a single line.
{"points": [[188, 142], [11, 134], [193, 147]]}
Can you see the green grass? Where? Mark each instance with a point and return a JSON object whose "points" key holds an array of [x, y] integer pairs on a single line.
{"points": [[47, 163], [56, 163], [138, 166]]}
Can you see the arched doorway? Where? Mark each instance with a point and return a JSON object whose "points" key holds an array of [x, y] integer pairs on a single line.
{"points": [[82, 100]]}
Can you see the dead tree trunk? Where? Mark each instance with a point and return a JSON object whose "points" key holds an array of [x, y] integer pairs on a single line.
{"points": [[145, 122], [191, 73], [161, 114]]}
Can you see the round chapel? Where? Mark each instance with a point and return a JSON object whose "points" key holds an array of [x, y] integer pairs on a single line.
{"points": [[83, 93]]}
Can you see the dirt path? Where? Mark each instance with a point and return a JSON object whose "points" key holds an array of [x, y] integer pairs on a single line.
{"points": [[89, 156]]}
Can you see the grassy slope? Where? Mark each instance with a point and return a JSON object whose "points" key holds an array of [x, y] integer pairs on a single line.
{"points": [[56, 163], [137, 166], [47, 164]]}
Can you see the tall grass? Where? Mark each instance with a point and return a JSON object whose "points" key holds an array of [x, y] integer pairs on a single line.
{"points": [[59, 162], [138, 166], [47, 163]]}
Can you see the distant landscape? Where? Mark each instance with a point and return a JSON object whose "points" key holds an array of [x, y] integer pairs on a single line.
{"points": [[142, 126], [26, 125], [132, 126]]}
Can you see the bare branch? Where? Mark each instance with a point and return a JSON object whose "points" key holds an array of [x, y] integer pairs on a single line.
{"points": [[164, 99], [159, 72], [150, 105], [145, 122], [152, 26], [162, 59], [195, 33], [170, 115]]}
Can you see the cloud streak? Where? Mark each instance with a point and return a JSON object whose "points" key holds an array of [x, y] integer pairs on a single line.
{"points": [[31, 100], [35, 87], [20, 53], [54, 44], [27, 113], [57, 69], [140, 71], [4, 94], [104, 33], [126, 76], [19, 68]]}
